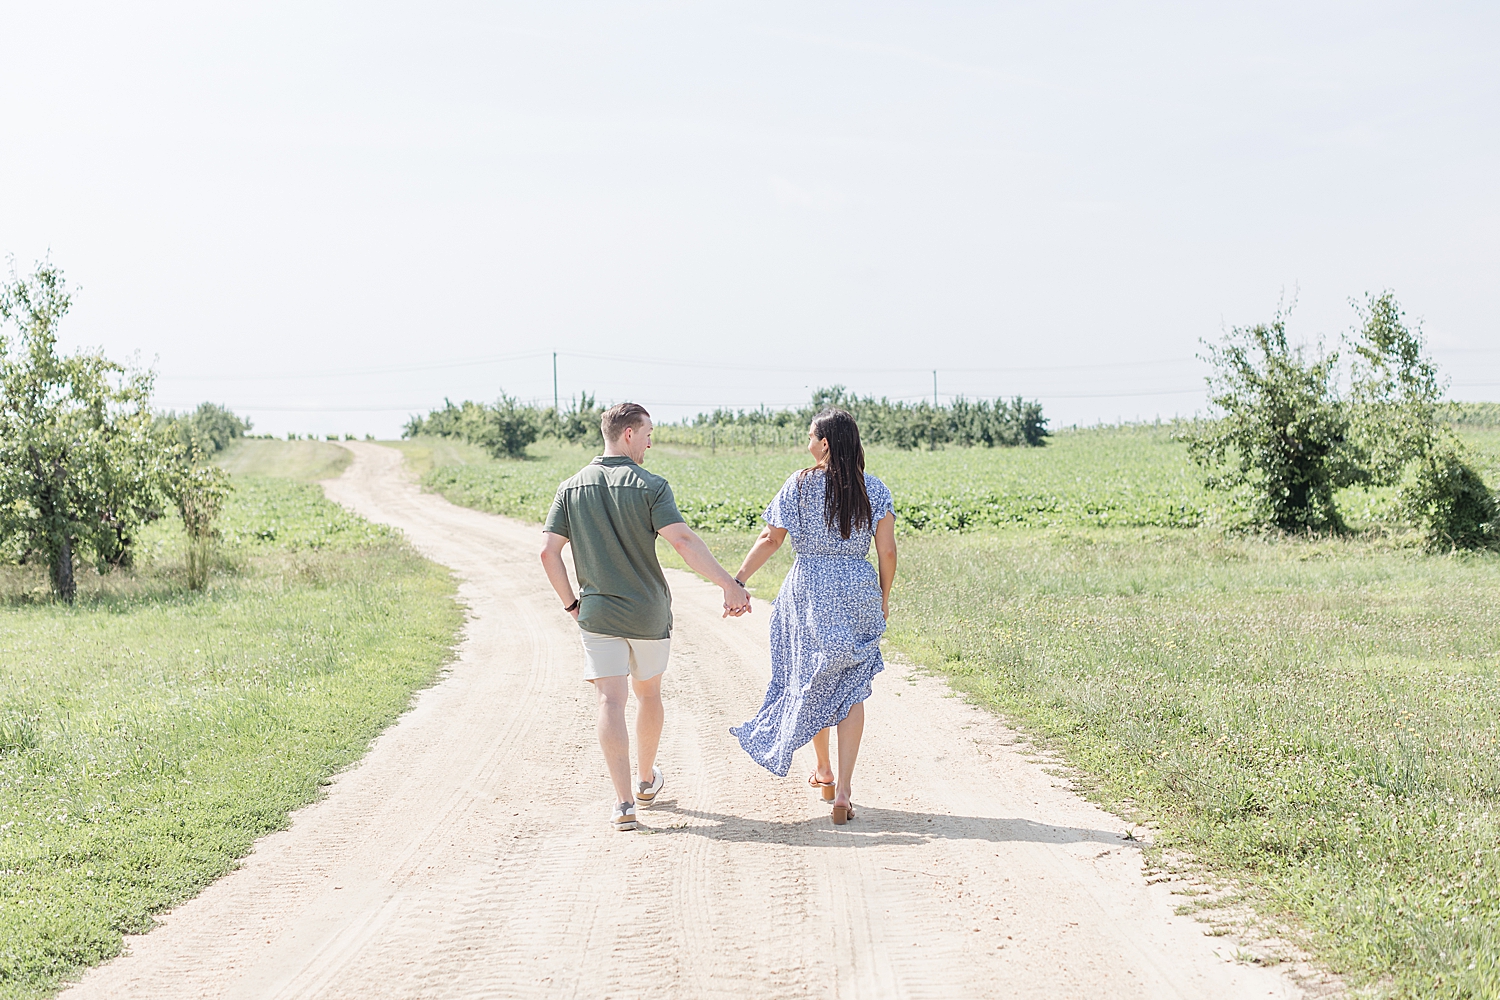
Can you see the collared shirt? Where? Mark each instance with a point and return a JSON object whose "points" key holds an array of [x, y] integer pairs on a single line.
{"points": [[610, 512]]}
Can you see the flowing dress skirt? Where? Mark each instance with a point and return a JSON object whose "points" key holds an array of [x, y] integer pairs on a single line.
{"points": [[825, 650]]}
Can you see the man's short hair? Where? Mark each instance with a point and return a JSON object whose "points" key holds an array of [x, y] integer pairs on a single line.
{"points": [[613, 421]]}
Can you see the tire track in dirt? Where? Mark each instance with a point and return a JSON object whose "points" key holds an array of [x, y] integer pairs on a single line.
{"points": [[468, 854]]}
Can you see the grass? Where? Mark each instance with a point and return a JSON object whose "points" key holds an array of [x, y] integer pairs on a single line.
{"points": [[302, 461], [1135, 477], [1314, 720], [1317, 719], [149, 734]]}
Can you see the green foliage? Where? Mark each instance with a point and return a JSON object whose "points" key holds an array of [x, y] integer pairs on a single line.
{"points": [[579, 424], [1470, 414], [206, 431], [1001, 423], [200, 492], [1289, 441], [182, 726], [899, 424], [1445, 497], [81, 465], [1315, 720], [1284, 436], [1395, 395], [504, 428], [1126, 476]]}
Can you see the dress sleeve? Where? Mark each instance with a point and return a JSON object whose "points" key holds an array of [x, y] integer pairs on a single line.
{"points": [[782, 511], [881, 501]]}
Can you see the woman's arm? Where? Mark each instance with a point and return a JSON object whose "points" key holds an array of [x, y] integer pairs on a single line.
{"points": [[885, 551], [764, 548]]}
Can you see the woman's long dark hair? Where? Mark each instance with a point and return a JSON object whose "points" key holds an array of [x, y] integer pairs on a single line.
{"points": [[846, 505]]}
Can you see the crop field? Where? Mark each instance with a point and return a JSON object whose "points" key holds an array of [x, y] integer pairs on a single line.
{"points": [[149, 734], [1313, 722], [1132, 477]]}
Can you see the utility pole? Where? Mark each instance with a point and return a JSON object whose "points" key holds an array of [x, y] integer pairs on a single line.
{"points": [[934, 389], [554, 382]]}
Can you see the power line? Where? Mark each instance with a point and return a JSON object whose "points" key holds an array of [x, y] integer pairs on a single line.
{"points": [[341, 373]]}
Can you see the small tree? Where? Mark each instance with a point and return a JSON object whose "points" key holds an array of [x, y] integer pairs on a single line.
{"points": [[1395, 395], [580, 423], [1449, 501], [1283, 433], [200, 491], [207, 430], [81, 467]]}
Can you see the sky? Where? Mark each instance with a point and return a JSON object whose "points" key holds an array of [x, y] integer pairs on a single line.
{"points": [[331, 216]]}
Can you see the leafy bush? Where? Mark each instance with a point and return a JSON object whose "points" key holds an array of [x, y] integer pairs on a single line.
{"points": [[1286, 437], [1395, 393], [1470, 414], [899, 424], [1450, 502], [205, 431], [82, 467], [1002, 423], [504, 428], [1283, 433], [580, 424]]}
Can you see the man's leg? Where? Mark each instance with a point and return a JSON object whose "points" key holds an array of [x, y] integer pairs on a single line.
{"points": [[614, 738], [648, 723]]}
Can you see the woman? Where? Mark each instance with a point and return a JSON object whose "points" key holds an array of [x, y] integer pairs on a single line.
{"points": [[828, 618]]}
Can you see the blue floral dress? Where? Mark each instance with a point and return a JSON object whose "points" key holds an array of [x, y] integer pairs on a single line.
{"points": [[825, 625]]}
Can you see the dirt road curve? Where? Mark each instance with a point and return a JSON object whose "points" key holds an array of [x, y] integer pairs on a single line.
{"points": [[468, 854]]}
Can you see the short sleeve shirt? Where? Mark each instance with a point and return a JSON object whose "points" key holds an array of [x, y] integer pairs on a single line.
{"points": [[610, 512]]}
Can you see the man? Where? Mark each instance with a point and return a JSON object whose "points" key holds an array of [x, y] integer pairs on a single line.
{"points": [[611, 513]]}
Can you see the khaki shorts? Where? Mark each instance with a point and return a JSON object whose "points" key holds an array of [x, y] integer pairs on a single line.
{"points": [[616, 656]]}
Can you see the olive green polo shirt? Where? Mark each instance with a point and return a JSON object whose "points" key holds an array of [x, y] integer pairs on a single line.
{"points": [[610, 512]]}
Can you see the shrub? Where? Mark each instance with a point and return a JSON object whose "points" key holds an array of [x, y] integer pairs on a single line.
{"points": [[207, 430], [504, 429], [1450, 502], [1395, 393], [1283, 433]]}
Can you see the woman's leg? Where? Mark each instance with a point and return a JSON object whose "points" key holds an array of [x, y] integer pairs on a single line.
{"points": [[850, 730], [820, 747]]}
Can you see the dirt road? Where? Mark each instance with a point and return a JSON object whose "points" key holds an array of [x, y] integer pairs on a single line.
{"points": [[469, 853]]}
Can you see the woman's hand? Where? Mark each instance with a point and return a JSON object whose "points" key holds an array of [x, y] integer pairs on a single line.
{"points": [[885, 606]]}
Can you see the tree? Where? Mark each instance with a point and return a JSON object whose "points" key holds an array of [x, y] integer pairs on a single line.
{"points": [[1284, 433], [1395, 393], [504, 429], [207, 430], [1449, 501], [199, 490], [81, 467]]}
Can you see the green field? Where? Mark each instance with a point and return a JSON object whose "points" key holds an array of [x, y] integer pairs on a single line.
{"points": [[149, 734], [1314, 720]]}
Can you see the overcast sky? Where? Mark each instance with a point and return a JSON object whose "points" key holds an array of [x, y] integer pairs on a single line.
{"points": [[329, 216]]}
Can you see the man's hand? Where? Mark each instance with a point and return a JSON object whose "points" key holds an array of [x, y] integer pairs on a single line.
{"points": [[736, 600]]}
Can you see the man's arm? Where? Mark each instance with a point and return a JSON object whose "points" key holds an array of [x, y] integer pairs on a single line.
{"points": [[696, 554], [557, 573]]}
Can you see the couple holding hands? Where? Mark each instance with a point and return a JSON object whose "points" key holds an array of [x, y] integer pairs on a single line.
{"points": [[826, 622]]}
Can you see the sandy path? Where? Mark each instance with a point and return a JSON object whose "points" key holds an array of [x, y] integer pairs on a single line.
{"points": [[468, 854]]}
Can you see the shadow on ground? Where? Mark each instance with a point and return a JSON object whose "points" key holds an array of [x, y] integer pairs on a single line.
{"points": [[871, 826]]}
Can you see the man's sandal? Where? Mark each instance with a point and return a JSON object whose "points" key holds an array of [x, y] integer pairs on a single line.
{"points": [[825, 786]]}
